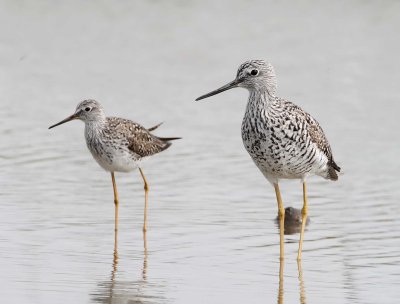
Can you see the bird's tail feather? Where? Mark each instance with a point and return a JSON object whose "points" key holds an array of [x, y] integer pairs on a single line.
{"points": [[155, 127], [335, 166], [332, 174]]}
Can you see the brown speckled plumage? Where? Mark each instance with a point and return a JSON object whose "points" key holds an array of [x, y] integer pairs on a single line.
{"points": [[117, 144], [139, 140]]}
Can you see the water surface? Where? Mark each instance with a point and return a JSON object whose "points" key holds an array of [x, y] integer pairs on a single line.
{"points": [[212, 234]]}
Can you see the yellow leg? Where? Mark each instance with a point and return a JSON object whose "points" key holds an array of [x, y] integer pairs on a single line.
{"points": [[115, 203], [146, 195], [303, 220], [281, 220]]}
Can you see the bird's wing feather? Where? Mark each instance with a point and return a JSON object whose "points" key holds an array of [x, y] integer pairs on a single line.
{"points": [[317, 136], [139, 140], [155, 127], [315, 132], [145, 144]]}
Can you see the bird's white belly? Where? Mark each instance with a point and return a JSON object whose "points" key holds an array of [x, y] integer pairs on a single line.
{"points": [[114, 160], [118, 164]]}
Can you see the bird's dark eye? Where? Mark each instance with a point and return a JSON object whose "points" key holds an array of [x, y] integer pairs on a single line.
{"points": [[87, 109], [254, 72]]}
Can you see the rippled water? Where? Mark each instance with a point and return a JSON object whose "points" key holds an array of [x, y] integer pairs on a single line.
{"points": [[212, 234]]}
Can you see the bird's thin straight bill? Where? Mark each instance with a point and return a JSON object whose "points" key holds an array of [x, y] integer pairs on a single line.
{"points": [[231, 85], [69, 118]]}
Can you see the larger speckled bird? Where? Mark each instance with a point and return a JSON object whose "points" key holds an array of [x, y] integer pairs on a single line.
{"points": [[117, 144], [283, 140]]}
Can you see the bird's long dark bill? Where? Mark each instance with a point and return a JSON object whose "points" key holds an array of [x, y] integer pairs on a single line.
{"points": [[72, 117], [231, 85]]}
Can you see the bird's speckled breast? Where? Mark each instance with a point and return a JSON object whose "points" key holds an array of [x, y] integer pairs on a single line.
{"points": [[277, 143], [112, 154]]}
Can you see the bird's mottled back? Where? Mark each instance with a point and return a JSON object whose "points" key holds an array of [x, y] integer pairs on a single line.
{"points": [[139, 140], [313, 131]]}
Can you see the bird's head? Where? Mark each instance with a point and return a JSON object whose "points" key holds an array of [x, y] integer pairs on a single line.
{"points": [[88, 111], [253, 75]]}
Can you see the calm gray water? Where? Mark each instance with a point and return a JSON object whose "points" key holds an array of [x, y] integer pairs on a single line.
{"points": [[212, 236]]}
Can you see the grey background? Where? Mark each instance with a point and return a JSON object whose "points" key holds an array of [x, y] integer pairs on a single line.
{"points": [[212, 236]]}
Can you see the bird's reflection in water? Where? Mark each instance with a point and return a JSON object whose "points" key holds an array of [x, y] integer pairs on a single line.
{"points": [[115, 260], [301, 283], [114, 267], [118, 291], [281, 285], [280, 290], [292, 220], [292, 226], [144, 271]]}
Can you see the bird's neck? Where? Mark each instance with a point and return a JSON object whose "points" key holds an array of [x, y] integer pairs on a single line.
{"points": [[94, 127], [259, 99]]}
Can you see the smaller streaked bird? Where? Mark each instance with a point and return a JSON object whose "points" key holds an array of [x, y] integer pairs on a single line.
{"points": [[117, 144]]}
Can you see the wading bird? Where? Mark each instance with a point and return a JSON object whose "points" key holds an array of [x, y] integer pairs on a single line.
{"points": [[117, 144], [283, 140]]}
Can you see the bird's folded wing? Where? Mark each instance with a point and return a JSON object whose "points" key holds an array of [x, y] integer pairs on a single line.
{"points": [[145, 144]]}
